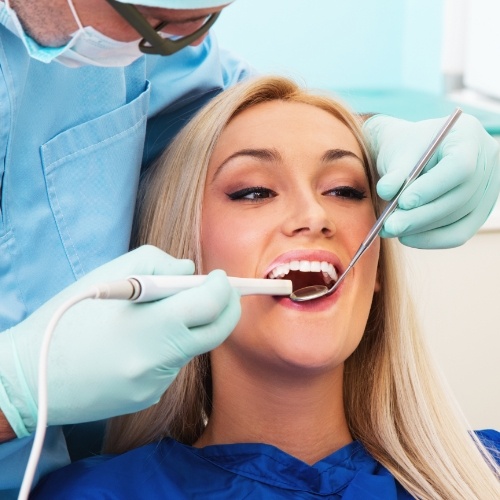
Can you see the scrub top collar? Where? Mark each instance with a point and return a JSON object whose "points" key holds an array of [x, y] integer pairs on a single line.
{"points": [[348, 471]]}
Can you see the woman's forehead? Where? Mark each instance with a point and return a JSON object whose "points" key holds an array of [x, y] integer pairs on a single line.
{"points": [[288, 123]]}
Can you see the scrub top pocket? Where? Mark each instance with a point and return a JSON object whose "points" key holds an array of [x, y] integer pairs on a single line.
{"points": [[92, 173]]}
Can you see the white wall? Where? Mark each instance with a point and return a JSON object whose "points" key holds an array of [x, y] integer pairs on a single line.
{"points": [[331, 43], [457, 292], [340, 44]]}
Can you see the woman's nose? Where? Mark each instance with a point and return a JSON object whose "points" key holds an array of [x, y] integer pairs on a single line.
{"points": [[308, 216]]}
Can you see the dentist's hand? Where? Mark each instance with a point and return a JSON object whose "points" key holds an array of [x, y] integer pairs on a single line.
{"points": [[454, 195], [111, 357]]}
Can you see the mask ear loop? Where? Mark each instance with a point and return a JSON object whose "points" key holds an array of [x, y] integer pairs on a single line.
{"points": [[76, 17]]}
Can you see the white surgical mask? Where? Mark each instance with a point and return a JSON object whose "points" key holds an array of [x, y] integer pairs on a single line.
{"points": [[87, 46]]}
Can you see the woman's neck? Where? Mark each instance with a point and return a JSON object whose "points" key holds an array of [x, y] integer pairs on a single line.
{"points": [[302, 414]]}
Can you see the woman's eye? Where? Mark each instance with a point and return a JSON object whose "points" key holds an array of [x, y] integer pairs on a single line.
{"points": [[348, 192], [252, 193]]}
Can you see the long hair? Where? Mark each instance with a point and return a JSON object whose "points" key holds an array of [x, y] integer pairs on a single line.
{"points": [[395, 402]]}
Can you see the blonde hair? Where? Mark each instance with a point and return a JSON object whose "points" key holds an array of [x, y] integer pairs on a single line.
{"points": [[395, 404]]}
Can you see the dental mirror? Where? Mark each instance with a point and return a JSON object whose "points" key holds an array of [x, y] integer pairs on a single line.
{"points": [[317, 291]]}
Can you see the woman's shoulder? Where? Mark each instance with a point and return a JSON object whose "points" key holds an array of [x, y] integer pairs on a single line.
{"points": [[112, 476]]}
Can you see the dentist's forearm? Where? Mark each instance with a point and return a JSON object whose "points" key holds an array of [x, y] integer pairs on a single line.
{"points": [[6, 432]]}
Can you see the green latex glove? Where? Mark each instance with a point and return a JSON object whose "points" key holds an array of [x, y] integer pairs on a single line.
{"points": [[112, 357], [454, 195]]}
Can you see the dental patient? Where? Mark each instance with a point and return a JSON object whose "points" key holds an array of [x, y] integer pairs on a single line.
{"points": [[332, 398]]}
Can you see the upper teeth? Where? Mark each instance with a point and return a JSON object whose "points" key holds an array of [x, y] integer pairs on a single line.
{"points": [[305, 266]]}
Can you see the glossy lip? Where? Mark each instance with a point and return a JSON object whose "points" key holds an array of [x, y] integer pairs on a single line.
{"points": [[309, 254]]}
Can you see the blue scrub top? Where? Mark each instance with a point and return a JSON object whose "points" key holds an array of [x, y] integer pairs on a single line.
{"points": [[175, 471], [72, 145]]}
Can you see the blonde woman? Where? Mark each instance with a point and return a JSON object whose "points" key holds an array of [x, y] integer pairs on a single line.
{"points": [[333, 398]]}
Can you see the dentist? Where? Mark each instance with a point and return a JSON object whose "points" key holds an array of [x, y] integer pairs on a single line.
{"points": [[86, 102]]}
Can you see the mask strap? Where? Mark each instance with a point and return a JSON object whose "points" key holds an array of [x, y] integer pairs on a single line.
{"points": [[75, 15]]}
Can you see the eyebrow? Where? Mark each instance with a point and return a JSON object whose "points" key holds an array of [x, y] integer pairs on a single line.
{"points": [[267, 155], [338, 154], [272, 155]]}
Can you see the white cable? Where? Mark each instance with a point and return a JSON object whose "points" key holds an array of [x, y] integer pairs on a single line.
{"points": [[123, 290], [41, 425], [136, 289]]}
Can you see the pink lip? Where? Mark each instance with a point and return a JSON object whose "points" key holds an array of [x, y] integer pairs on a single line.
{"points": [[315, 305], [309, 254]]}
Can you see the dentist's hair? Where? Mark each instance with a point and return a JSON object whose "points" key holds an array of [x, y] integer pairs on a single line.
{"points": [[395, 402]]}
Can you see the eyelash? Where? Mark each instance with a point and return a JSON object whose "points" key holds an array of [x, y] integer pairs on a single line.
{"points": [[261, 193], [347, 192], [242, 194]]}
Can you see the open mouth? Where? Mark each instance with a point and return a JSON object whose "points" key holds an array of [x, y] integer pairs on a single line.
{"points": [[304, 273]]}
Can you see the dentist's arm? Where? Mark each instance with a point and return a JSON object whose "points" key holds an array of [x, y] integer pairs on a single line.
{"points": [[111, 357], [451, 200]]}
